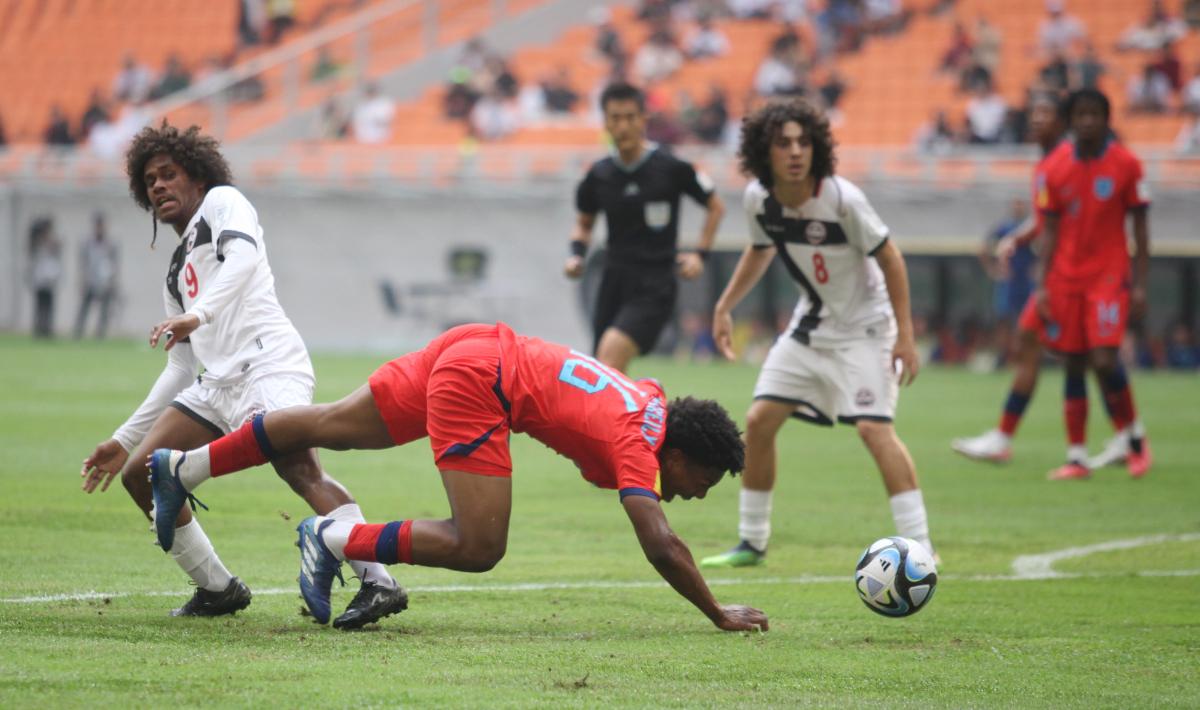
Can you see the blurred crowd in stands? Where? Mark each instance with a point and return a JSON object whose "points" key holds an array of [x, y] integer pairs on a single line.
{"points": [[1068, 60]]}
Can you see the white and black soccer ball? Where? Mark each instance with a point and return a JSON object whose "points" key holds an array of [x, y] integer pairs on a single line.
{"points": [[895, 576]]}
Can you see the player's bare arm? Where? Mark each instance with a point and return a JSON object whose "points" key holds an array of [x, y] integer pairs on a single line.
{"points": [[672, 559], [105, 462], [581, 237], [1024, 234], [1141, 263], [691, 263], [750, 268], [895, 275], [1049, 241]]}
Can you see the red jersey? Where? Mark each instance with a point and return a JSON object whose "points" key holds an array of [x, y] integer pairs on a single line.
{"points": [[1091, 198], [612, 427]]}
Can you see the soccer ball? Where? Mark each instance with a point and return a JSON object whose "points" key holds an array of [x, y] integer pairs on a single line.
{"points": [[895, 576]]}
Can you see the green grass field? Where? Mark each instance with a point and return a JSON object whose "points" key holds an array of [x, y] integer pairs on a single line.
{"points": [[574, 616]]}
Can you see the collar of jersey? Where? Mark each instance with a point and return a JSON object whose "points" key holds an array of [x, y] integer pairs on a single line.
{"points": [[1103, 149], [647, 148]]}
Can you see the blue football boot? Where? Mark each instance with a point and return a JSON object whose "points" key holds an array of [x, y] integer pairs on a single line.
{"points": [[169, 494], [318, 567]]}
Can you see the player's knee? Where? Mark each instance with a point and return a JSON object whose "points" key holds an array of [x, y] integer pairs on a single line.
{"points": [[874, 434], [760, 426], [481, 557], [1104, 361]]}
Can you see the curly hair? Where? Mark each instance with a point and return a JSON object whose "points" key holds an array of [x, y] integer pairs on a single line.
{"points": [[703, 431], [760, 128], [197, 154]]}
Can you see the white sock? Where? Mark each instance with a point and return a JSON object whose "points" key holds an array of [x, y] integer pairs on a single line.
{"points": [[195, 468], [754, 518], [1005, 438], [1136, 430], [908, 512], [195, 555], [351, 514], [1077, 453]]}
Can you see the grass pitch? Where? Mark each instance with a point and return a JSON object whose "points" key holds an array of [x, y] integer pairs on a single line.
{"points": [[574, 616]]}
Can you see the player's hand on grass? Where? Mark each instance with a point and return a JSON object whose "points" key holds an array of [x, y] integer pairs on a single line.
{"points": [[174, 330], [722, 332], [690, 265], [103, 465], [574, 267], [906, 360], [736, 617]]}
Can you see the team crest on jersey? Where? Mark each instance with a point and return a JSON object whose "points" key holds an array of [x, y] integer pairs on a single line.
{"points": [[191, 240], [864, 397], [1103, 187], [632, 190], [815, 232]]}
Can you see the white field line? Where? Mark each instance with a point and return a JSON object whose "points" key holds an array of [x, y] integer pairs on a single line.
{"points": [[597, 584], [1042, 566]]}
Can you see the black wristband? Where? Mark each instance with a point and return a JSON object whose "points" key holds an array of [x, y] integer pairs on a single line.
{"points": [[703, 254], [578, 248]]}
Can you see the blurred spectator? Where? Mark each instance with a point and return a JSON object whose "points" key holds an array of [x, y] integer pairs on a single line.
{"points": [[751, 9], [58, 131], [372, 118], [843, 21], [985, 54], [281, 16], [655, 11], [937, 136], [501, 76], [3, 135], [331, 123], [1188, 139], [494, 116], [175, 77], [96, 112], [1169, 66], [557, 94], [474, 56], [608, 41], [780, 73], [45, 271], [657, 59], [706, 41], [252, 20], [1058, 31], [832, 89], [958, 56], [133, 82], [884, 16], [1086, 71], [1191, 13], [1182, 351], [99, 262], [986, 112], [1191, 94], [711, 116], [460, 98], [1055, 74], [326, 67], [1157, 30], [1149, 92]]}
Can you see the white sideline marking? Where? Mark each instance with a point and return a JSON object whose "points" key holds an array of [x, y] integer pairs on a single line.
{"points": [[552, 586], [1042, 566]]}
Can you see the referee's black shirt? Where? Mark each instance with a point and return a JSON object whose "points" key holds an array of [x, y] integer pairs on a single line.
{"points": [[641, 204]]}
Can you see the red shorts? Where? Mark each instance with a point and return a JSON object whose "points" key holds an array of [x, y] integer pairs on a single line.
{"points": [[450, 391], [1083, 317]]}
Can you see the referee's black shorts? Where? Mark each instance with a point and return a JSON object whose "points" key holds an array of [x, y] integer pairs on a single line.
{"points": [[638, 301]]}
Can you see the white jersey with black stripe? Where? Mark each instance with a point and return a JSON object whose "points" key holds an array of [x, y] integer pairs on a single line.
{"points": [[827, 245], [220, 274]]}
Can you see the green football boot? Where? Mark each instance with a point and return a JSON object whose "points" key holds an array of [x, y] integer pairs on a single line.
{"points": [[744, 555]]}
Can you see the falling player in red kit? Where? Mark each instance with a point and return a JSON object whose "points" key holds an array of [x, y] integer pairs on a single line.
{"points": [[1088, 290], [467, 390]]}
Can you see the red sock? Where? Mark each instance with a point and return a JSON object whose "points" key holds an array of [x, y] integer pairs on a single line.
{"points": [[387, 543], [235, 451], [1120, 406], [1075, 410]]}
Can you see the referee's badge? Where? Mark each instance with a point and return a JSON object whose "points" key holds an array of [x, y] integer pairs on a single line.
{"points": [[815, 232], [658, 214]]}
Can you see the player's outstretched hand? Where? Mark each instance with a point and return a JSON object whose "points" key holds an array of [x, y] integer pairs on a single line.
{"points": [[574, 267], [174, 330], [103, 465], [736, 617], [906, 360], [723, 335], [690, 265]]}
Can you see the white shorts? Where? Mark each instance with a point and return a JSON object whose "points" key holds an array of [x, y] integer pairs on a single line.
{"points": [[843, 384], [223, 409]]}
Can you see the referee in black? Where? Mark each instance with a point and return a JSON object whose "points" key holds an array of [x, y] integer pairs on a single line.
{"points": [[638, 189]]}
